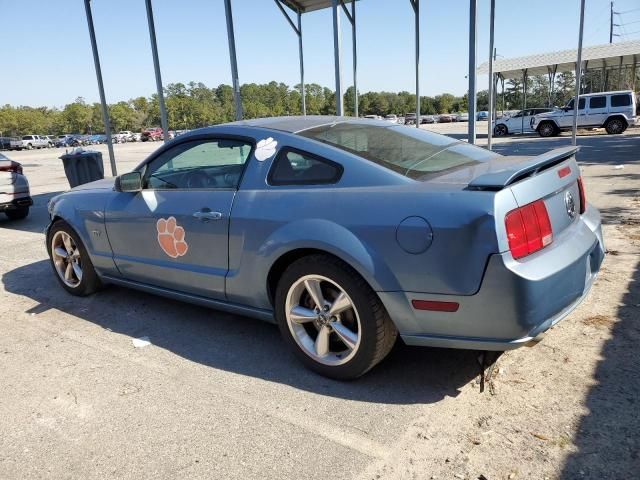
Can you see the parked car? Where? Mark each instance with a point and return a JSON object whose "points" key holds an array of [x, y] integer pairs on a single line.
{"points": [[33, 141], [152, 135], [373, 117], [391, 118], [410, 119], [123, 137], [427, 119], [482, 115], [10, 143], [457, 246], [613, 111], [515, 123], [15, 198], [445, 118], [462, 117]]}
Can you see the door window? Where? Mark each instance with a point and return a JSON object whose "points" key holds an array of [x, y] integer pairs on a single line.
{"points": [[580, 104], [597, 102], [298, 168], [199, 164]]}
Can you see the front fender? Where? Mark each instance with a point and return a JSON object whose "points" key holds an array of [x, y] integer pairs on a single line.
{"points": [[84, 212]]}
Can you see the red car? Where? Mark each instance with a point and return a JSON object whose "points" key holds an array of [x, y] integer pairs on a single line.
{"points": [[152, 135]]}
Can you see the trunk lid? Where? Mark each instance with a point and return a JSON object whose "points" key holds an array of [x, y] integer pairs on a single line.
{"points": [[552, 177]]}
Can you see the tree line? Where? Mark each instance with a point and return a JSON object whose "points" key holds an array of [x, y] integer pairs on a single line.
{"points": [[196, 105]]}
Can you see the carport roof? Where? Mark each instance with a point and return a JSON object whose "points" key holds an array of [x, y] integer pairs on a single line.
{"points": [[597, 56], [305, 6]]}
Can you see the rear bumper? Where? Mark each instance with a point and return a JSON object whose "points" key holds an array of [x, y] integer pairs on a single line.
{"points": [[517, 301], [16, 203]]}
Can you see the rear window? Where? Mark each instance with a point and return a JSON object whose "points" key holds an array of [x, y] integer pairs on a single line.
{"points": [[414, 153], [621, 100]]}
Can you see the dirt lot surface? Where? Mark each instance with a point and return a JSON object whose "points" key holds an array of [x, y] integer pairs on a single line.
{"points": [[218, 396]]}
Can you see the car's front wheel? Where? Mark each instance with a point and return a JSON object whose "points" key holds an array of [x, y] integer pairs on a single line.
{"points": [[547, 129], [334, 322], [70, 260]]}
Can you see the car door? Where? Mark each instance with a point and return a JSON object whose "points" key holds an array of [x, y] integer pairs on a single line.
{"points": [[174, 233], [514, 123], [597, 110]]}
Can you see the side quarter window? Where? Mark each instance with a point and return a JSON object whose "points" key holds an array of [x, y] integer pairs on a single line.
{"points": [[294, 167]]}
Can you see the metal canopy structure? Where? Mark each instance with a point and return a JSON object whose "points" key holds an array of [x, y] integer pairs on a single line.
{"points": [[608, 55], [615, 55]]}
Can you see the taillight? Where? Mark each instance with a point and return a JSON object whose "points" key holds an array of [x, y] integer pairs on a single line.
{"points": [[12, 166], [583, 198], [528, 229]]}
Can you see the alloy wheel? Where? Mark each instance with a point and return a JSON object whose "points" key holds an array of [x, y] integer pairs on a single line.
{"points": [[323, 320], [66, 258]]}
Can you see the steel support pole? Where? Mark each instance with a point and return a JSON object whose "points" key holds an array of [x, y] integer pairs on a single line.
{"points": [[232, 57], [103, 101], [473, 4], [355, 59], [301, 56], [415, 4], [337, 50], [492, 15], [620, 73], [156, 68], [525, 77], [576, 102]]}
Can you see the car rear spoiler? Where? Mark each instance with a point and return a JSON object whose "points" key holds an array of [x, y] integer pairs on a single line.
{"points": [[501, 178]]}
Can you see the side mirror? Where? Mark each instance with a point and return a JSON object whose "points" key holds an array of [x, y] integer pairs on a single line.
{"points": [[129, 182]]}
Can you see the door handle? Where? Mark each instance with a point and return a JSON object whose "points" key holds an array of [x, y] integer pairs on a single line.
{"points": [[206, 215]]}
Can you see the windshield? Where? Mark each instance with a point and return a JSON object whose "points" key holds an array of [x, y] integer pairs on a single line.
{"points": [[414, 153]]}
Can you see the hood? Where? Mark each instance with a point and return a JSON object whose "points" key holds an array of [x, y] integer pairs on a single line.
{"points": [[104, 184], [552, 113]]}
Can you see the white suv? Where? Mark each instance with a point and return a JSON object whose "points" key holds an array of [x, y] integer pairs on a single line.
{"points": [[615, 111]]}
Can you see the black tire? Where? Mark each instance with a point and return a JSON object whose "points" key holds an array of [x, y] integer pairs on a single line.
{"points": [[90, 281], [378, 333], [18, 213], [547, 129], [29, 146], [615, 126], [500, 130]]}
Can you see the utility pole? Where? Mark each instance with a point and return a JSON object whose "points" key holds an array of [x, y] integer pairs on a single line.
{"points": [[611, 25]]}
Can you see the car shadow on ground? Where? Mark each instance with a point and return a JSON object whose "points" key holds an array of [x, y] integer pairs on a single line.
{"points": [[38, 216], [246, 346], [608, 437]]}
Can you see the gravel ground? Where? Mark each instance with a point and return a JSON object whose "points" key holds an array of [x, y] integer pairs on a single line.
{"points": [[217, 396]]}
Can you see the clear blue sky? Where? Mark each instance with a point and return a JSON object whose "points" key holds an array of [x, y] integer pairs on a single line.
{"points": [[47, 57]]}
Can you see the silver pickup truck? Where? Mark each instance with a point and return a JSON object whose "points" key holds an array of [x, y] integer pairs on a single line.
{"points": [[30, 142]]}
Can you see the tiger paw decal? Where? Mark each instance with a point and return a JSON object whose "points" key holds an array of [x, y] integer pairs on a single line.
{"points": [[171, 237]]}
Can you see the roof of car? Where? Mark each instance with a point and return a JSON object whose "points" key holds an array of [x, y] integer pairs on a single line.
{"points": [[299, 123]]}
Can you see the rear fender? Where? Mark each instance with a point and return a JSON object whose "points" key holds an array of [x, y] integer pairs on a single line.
{"points": [[334, 239]]}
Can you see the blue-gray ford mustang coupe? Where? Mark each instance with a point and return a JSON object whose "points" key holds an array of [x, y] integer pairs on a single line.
{"points": [[346, 232]]}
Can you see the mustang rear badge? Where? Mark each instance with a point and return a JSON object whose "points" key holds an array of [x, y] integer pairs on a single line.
{"points": [[171, 237], [570, 204]]}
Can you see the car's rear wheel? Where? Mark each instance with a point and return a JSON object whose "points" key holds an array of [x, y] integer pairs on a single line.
{"points": [[18, 213], [333, 321], [500, 130], [615, 126], [547, 129], [70, 260]]}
